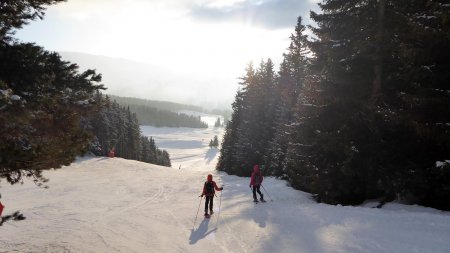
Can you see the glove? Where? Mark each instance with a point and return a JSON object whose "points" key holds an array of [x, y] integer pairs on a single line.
{"points": [[201, 196], [221, 188]]}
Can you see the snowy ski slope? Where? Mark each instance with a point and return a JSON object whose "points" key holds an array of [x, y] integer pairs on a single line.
{"points": [[116, 205]]}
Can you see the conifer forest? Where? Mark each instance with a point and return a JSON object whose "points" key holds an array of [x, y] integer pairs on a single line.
{"points": [[51, 112], [359, 108]]}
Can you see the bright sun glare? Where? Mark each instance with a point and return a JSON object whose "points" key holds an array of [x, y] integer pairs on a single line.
{"points": [[146, 31], [161, 33]]}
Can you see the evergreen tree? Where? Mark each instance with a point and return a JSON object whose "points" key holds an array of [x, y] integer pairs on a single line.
{"points": [[364, 114], [134, 134], [338, 133], [250, 136], [229, 158], [215, 142], [289, 87], [218, 123], [115, 127], [371, 81], [412, 101], [43, 102], [15, 14]]}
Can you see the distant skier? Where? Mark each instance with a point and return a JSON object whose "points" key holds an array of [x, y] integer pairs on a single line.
{"points": [[1, 207], [208, 192], [112, 153], [256, 180]]}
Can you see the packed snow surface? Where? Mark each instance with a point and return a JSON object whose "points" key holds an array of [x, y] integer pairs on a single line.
{"points": [[100, 204]]}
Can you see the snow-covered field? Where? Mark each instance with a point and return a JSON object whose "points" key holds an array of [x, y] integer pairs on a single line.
{"points": [[116, 205]]}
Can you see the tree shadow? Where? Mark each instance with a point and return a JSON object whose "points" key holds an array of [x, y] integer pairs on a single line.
{"points": [[210, 155], [201, 232]]}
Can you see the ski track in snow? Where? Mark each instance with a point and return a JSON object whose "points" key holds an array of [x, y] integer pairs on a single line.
{"points": [[116, 205]]}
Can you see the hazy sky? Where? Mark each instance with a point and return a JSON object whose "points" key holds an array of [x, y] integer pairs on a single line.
{"points": [[211, 41]]}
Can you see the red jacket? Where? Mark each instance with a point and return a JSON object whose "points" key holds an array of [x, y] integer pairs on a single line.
{"points": [[1, 208], [256, 174], [112, 153], [209, 179]]}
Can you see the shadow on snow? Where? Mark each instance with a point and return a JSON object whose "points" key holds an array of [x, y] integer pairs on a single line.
{"points": [[201, 232], [210, 155]]}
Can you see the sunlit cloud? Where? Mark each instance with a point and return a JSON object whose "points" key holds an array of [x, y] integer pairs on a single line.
{"points": [[208, 41], [270, 14]]}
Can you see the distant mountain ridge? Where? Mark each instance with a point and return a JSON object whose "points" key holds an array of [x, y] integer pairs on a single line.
{"points": [[162, 105], [128, 78]]}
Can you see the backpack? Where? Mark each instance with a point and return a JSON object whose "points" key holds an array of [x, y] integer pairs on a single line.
{"points": [[209, 187], [257, 178]]}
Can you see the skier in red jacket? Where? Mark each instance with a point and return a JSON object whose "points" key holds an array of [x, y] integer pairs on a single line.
{"points": [[256, 180], [208, 191], [1, 208], [112, 153]]}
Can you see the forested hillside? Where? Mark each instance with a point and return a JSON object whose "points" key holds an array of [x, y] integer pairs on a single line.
{"points": [[360, 110], [43, 101], [46, 104], [162, 113], [117, 129], [162, 105]]}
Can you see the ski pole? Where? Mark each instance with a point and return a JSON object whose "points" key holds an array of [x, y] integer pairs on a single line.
{"points": [[199, 204], [218, 215], [267, 193]]}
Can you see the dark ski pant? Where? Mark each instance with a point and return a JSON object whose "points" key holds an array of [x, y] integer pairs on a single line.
{"points": [[256, 189], [209, 200]]}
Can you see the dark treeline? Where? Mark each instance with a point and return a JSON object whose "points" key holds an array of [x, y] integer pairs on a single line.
{"points": [[162, 105], [117, 128], [135, 103], [361, 110], [161, 113], [163, 118], [46, 104]]}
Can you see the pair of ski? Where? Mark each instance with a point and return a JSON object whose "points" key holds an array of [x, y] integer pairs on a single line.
{"points": [[256, 201]]}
